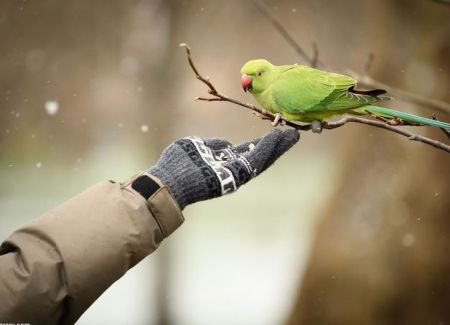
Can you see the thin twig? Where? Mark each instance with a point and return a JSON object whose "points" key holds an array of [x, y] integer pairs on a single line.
{"points": [[411, 136], [364, 80], [205, 80], [280, 28], [263, 113], [315, 58], [217, 96]]}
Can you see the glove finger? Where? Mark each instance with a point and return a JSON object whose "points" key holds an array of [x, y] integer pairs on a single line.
{"points": [[287, 141], [252, 162], [217, 144], [246, 146], [270, 148], [258, 157]]}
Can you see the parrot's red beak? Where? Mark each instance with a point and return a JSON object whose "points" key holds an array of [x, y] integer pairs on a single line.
{"points": [[246, 82]]}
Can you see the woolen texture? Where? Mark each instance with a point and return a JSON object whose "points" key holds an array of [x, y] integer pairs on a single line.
{"points": [[197, 169]]}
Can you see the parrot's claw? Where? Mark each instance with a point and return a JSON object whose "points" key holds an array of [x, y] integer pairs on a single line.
{"points": [[276, 120], [378, 117], [316, 126], [395, 121]]}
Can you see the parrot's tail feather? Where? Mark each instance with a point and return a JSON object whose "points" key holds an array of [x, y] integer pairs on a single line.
{"points": [[410, 118]]}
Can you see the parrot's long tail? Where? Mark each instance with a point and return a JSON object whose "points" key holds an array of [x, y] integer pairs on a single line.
{"points": [[390, 113]]}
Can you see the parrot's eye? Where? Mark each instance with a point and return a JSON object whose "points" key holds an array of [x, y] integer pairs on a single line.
{"points": [[259, 73]]}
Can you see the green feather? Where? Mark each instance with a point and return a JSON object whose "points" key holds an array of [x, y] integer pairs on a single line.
{"points": [[302, 93], [410, 118]]}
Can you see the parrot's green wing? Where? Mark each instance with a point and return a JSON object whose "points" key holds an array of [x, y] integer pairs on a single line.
{"points": [[305, 89]]}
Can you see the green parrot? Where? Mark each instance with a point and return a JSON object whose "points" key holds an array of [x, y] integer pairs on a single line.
{"points": [[302, 93]]}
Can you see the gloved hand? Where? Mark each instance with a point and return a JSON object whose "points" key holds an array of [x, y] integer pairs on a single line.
{"points": [[196, 169]]}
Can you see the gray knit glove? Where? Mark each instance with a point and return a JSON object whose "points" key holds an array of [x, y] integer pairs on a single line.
{"points": [[196, 169]]}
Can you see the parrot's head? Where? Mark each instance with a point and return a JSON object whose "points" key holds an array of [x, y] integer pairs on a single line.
{"points": [[256, 75]]}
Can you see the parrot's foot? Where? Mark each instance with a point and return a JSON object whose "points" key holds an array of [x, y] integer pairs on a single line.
{"points": [[316, 126], [395, 121], [276, 120], [376, 116], [381, 118]]}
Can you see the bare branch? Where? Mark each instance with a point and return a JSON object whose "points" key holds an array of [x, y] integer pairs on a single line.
{"points": [[315, 58], [205, 80], [283, 31], [217, 96], [404, 95], [411, 136], [363, 80], [259, 111]]}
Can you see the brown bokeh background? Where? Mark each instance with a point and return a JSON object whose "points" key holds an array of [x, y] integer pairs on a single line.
{"points": [[350, 227]]}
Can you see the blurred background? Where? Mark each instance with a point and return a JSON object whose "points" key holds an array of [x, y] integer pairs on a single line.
{"points": [[350, 227]]}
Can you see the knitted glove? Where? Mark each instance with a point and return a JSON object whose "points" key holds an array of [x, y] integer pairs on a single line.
{"points": [[196, 169]]}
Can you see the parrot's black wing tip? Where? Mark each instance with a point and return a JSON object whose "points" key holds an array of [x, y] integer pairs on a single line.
{"points": [[373, 92]]}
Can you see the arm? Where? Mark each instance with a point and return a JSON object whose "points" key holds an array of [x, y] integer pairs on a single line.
{"points": [[52, 270]]}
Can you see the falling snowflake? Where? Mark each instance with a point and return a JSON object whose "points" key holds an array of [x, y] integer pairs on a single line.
{"points": [[144, 128], [51, 107], [38, 164]]}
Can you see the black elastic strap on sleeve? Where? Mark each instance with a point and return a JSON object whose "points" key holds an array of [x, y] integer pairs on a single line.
{"points": [[145, 186]]}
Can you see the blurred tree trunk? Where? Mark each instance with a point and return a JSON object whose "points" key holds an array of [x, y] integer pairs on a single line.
{"points": [[381, 254], [382, 249]]}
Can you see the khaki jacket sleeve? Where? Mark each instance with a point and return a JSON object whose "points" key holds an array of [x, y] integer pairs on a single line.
{"points": [[52, 270]]}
